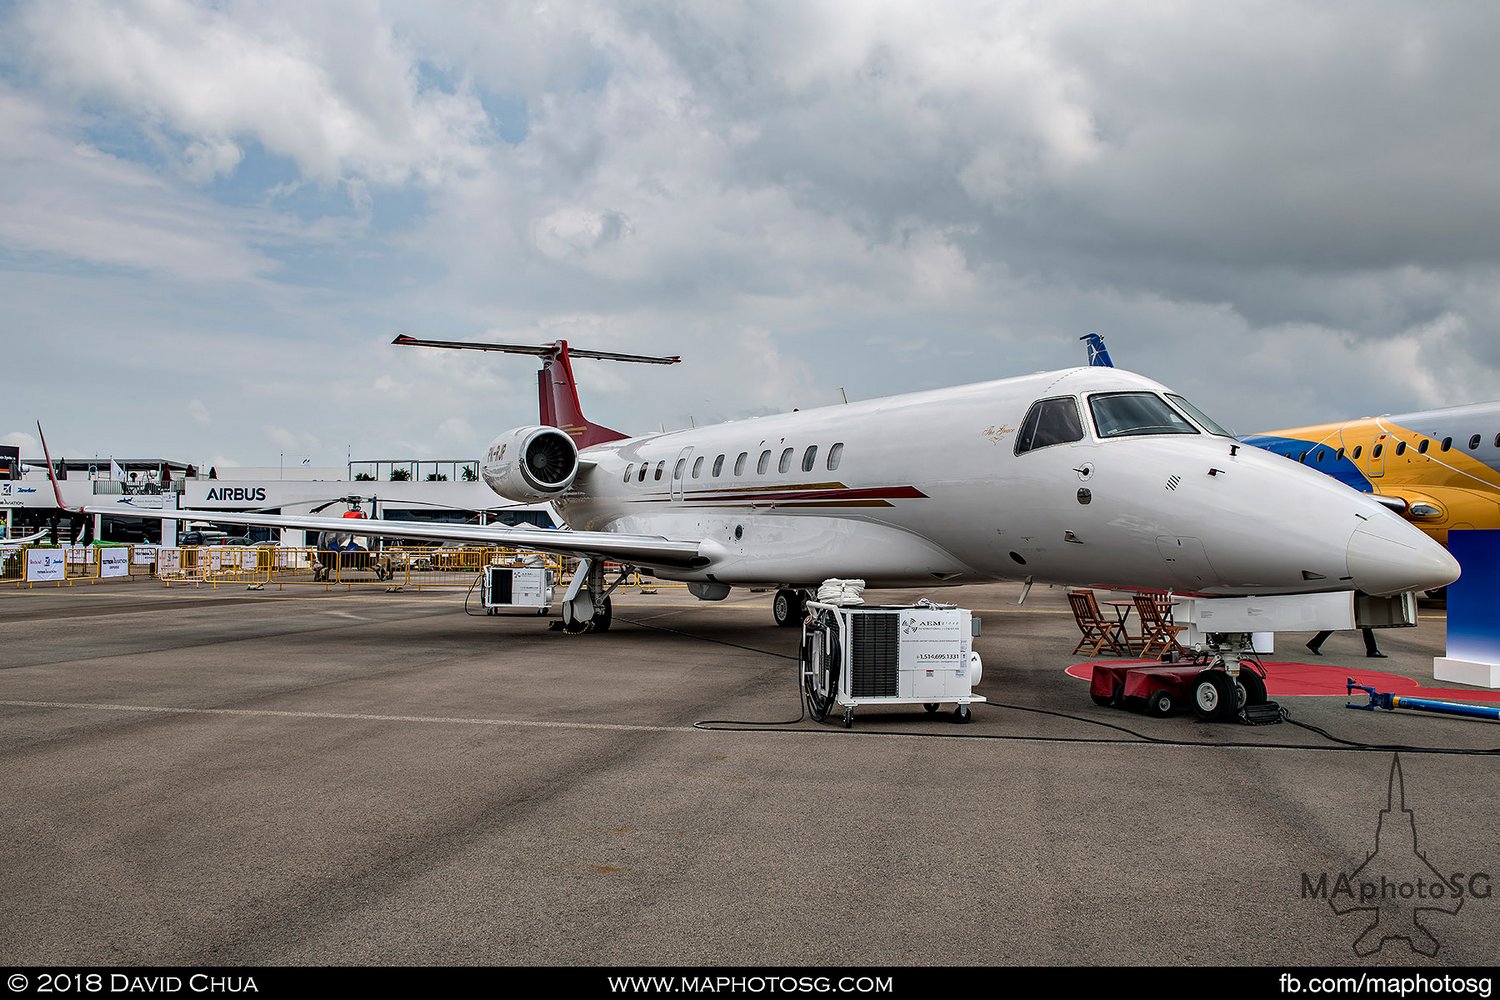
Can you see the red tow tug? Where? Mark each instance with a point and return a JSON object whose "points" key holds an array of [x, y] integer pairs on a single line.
{"points": [[1163, 689]]}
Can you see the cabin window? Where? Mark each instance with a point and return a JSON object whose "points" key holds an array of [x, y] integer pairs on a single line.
{"points": [[764, 463], [1321, 453], [1049, 422], [698, 467], [1355, 453], [1127, 414], [628, 470], [1302, 458], [1474, 443], [739, 463], [1375, 451], [1204, 420], [642, 477], [661, 467], [1497, 440], [1422, 446], [1339, 455], [681, 466], [836, 455], [718, 466], [785, 465], [809, 458], [1400, 448], [1447, 443]]}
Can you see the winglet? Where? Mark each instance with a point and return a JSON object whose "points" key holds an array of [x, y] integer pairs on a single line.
{"points": [[51, 470]]}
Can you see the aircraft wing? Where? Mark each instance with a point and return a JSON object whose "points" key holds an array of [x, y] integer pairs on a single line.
{"points": [[637, 550], [11, 543]]}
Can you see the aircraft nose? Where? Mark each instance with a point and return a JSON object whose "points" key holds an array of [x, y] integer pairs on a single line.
{"points": [[1389, 556]]}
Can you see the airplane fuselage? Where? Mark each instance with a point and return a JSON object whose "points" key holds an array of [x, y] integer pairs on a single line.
{"points": [[931, 488], [1444, 464]]}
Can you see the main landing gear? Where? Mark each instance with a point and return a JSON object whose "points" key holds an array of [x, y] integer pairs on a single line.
{"points": [[790, 607], [587, 607]]}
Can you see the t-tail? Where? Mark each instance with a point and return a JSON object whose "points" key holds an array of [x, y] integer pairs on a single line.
{"points": [[1098, 353], [557, 392]]}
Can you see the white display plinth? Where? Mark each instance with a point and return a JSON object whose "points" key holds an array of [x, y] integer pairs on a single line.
{"points": [[1445, 668]]}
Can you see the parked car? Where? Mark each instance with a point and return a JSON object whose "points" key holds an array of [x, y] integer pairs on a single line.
{"points": [[203, 537]]}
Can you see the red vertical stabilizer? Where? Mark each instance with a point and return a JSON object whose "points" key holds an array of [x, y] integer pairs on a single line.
{"points": [[557, 392]]}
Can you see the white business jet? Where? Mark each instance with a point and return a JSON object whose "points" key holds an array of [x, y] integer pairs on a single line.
{"points": [[1090, 476]]}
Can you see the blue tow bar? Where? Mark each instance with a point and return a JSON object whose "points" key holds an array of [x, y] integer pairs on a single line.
{"points": [[1391, 702]]}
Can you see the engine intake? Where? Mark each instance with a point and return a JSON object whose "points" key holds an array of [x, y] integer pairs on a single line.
{"points": [[530, 464]]}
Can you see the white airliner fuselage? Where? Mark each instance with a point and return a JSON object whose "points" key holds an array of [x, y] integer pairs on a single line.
{"points": [[929, 488]]}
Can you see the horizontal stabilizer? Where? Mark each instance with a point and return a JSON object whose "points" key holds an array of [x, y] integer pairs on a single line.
{"points": [[543, 351]]}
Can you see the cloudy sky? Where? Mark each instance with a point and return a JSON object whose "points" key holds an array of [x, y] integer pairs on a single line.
{"points": [[215, 216]]}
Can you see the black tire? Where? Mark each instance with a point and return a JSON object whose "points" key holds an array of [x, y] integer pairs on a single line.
{"points": [[1161, 704], [603, 615], [1252, 686], [786, 608], [1101, 700], [962, 715], [1214, 696], [931, 707]]}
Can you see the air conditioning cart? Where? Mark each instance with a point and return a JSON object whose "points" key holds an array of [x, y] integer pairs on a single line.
{"points": [[517, 590], [921, 654]]}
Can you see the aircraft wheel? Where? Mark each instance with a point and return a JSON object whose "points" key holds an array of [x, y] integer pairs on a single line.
{"points": [[603, 615], [1251, 689], [1161, 704], [1214, 696], [786, 608]]}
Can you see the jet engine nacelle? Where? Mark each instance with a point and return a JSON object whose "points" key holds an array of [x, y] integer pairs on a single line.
{"points": [[530, 464]]}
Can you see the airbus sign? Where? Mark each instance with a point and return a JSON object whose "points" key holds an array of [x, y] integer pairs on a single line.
{"points": [[237, 494]]}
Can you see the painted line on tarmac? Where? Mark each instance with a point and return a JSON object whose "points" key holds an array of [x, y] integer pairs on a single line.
{"points": [[350, 717]]}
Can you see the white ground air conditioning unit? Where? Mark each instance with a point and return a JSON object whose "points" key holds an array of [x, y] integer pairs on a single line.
{"points": [[517, 590], [921, 654]]}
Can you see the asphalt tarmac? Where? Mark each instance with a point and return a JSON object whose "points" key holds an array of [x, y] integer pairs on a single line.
{"points": [[229, 777]]}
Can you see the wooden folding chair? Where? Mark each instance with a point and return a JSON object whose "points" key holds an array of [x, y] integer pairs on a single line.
{"points": [[1158, 635], [1098, 631]]}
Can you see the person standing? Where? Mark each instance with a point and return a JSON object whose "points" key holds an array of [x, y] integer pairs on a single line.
{"points": [[1316, 642]]}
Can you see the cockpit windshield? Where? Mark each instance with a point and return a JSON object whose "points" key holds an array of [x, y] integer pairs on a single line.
{"points": [[1124, 414], [1204, 420]]}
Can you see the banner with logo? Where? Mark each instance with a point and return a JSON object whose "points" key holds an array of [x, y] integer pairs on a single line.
{"points": [[168, 560], [143, 555], [114, 563], [44, 565]]}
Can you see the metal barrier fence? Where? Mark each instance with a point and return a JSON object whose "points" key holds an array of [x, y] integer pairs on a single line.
{"points": [[406, 567], [34, 565]]}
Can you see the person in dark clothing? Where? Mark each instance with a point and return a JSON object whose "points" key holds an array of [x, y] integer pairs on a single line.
{"points": [[1316, 642]]}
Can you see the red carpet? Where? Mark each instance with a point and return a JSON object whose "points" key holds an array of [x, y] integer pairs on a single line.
{"points": [[1291, 679]]}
